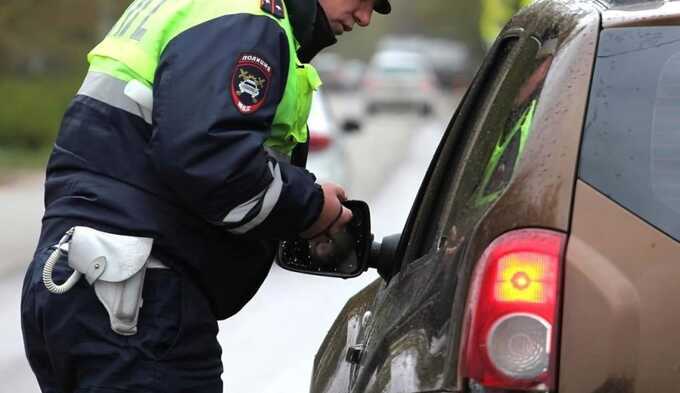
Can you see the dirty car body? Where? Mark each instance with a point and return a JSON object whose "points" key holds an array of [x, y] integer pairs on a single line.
{"points": [[568, 131]]}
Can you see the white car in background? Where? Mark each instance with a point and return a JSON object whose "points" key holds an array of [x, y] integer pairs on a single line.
{"points": [[450, 60], [398, 79], [327, 159]]}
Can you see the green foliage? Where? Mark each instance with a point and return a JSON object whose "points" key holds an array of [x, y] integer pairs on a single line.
{"points": [[38, 36], [32, 109], [13, 158]]}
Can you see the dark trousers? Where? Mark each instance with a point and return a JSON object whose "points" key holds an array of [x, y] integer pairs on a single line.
{"points": [[71, 347]]}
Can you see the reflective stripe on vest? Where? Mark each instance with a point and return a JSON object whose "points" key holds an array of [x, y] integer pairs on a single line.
{"points": [[252, 213], [132, 96]]}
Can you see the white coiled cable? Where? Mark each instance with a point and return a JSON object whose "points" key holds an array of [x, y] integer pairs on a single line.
{"points": [[60, 250]]}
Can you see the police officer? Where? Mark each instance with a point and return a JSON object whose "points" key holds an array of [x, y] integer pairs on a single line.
{"points": [[180, 165]]}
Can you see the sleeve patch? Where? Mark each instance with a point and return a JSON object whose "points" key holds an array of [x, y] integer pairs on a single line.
{"points": [[273, 7], [250, 83]]}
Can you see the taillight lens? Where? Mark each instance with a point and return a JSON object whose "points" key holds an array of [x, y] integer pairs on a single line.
{"points": [[319, 142], [511, 317]]}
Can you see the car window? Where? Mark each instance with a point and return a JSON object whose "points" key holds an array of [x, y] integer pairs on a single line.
{"points": [[430, 202], [427, 203], [631, 142], [497, 133]]}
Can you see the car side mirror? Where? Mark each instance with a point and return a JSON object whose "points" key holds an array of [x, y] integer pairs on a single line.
{"points": [[345, 256], [348, 255], [351, 126], [384, 256]]}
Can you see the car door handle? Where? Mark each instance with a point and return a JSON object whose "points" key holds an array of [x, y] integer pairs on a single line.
{"points": [[354, 353]]}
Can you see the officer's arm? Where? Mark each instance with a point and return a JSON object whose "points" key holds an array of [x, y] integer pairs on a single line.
{"points": [[216, 92]]}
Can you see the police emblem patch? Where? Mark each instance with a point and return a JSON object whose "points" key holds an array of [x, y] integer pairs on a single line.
{"points": [[250, 83]]}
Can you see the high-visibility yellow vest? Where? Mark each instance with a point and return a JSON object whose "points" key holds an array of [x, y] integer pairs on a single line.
{"points": [[133, 48]]}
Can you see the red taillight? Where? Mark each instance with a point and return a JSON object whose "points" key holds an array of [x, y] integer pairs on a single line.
{"points": [[511, 316], [318, 142]]}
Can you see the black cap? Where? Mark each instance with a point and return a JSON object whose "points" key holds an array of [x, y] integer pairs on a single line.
{"points": [[382, 7]]}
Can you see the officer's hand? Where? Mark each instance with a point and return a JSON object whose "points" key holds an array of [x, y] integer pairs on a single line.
{"points": [[333, 218]]}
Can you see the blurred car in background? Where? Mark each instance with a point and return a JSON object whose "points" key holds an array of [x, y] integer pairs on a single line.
{"points": [[330, 68], [327, 159], [449, 59], [398, 79], [338, 74], [352, 74]]}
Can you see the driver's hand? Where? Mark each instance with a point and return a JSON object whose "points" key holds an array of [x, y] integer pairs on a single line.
{"points": [[333, 218]]}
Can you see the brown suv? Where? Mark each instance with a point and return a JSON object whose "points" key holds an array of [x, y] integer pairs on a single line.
{"points": [[543, 250]]}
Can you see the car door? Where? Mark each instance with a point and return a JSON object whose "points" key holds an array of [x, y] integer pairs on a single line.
{"points": [[408, 342]]}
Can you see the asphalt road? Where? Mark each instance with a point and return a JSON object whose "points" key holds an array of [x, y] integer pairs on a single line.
{"points": [[21, 201], [268, 347]]}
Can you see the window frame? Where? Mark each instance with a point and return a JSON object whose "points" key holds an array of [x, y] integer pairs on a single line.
{"points": [[432, 204], [614, 176]]}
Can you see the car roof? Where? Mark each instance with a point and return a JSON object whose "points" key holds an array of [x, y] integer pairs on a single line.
{"points": [[542, 17], [619, 3], [621, 13], [631, 13]]}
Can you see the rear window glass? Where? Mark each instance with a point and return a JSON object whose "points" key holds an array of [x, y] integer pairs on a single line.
{"points": [[631, 147]]}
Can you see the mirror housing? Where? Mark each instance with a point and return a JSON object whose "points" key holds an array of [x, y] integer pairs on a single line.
{"points": [[351, 252], [346, 256], [384, 256]]}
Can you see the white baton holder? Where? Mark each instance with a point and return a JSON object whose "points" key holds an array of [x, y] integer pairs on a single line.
{"points": [[114, 264]]}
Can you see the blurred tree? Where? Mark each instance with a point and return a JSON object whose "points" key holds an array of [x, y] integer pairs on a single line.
{"points": [[37, 36], [108, 12], [43, 47]]}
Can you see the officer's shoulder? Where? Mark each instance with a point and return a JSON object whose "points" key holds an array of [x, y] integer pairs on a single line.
{"points": [[273, 7]]}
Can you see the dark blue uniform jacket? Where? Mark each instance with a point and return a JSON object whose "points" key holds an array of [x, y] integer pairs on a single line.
{"points": [[176, 179]]}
